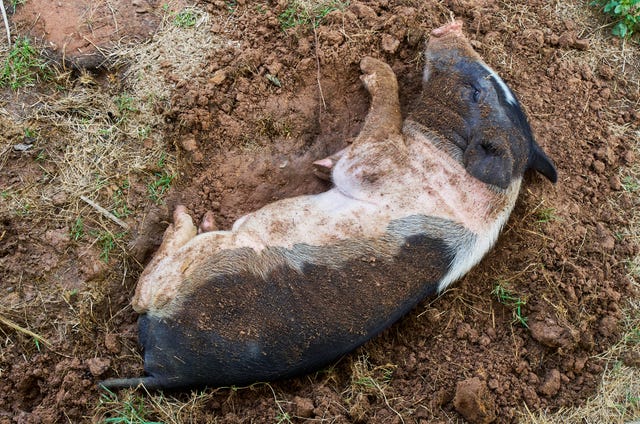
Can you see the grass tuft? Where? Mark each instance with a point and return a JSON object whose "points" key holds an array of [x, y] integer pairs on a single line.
{"points": [[23, 66], [506, 297], [306, 13], [129, 410]]}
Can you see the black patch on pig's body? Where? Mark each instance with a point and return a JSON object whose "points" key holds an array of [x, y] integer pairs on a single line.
{"points": [[239, 328]]}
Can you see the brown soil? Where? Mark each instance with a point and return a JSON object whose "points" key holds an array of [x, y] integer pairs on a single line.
{"points": [[80, 33], [245, 140]]}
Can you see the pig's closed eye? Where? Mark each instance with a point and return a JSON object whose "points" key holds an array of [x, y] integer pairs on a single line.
{"points": [[476, 95]]}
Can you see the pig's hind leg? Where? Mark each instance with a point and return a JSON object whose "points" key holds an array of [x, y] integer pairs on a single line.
{"points": [[384, 119], [179, 233]]}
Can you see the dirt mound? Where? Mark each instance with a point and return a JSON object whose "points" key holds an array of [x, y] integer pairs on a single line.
{"points": [[524, 328]]}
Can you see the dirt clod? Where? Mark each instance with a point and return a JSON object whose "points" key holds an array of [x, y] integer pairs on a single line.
{"points": [[98, 366], [550, 333], [551, 384], [474, 401], [304, 407]]}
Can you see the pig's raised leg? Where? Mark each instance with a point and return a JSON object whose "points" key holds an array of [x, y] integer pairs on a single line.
{"points": [[384, 119]]}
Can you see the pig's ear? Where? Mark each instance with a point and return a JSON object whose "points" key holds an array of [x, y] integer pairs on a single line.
{"points": [[489, 165], [539, 161]]}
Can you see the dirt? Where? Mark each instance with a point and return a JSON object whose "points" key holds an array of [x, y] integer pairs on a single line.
{"points": [[79, 33], [246, 131]]}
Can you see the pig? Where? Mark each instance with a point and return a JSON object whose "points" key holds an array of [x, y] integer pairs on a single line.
{"points": [[293, 286]]}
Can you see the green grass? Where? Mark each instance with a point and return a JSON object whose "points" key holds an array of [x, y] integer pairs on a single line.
{"points": [[630, 184], [125, 103], [23, 66], [16, 3], [231, 6], [160, 185], [186, 18], [120, 207], [107, 242], [77, 229], [299, 13], [30, 132], [625, 13], [546, 215], [505, 296], [131, 410]]}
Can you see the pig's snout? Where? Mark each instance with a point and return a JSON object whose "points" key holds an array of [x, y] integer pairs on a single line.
{"points": [[453, 28]]}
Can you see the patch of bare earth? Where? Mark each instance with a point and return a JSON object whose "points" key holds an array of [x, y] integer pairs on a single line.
{"points": [[240, 129]]}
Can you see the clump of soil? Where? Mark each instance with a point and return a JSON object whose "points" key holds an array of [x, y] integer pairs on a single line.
{"points": [[246, 130]]}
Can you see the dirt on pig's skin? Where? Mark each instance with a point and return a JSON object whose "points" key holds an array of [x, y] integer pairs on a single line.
{"points": [[244, 140]]}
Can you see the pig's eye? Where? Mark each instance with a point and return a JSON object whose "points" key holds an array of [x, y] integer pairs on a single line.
{"points": [[476, 95]]}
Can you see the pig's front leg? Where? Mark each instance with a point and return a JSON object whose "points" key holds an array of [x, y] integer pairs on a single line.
{"points": [[384, 119]]}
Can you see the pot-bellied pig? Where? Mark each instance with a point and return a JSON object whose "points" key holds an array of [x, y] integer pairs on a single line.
{"points": [[296, 284]]}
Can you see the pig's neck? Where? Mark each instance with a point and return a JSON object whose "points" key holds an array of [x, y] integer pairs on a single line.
{"points": [[481, 208], [469, 256]]}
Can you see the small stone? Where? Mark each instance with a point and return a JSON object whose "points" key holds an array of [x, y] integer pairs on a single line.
{"points": [[111, 343], [581, 44], [474, 401], [218, 77], [390, 43], [189, 144], [22, 147], [59, 199], [304, 407], [98, 366], [551, 384]]}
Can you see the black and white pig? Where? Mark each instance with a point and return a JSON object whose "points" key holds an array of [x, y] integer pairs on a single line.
{"points": [[295, 285]]}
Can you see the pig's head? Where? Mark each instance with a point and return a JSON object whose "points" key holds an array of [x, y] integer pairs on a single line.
{"points": [[468, 104]]}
